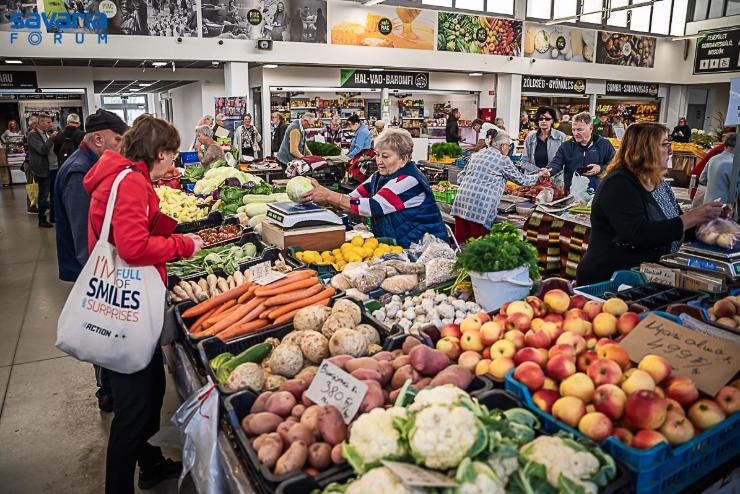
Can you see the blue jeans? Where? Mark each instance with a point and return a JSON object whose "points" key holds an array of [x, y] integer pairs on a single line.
{"points": [[44, 191]]}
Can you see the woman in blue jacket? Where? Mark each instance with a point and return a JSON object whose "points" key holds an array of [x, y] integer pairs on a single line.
{"points": [[362, 139], [397, 197]]}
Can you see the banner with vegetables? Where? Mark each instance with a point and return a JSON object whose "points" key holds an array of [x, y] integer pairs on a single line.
{"points": [[559, 43], [625, 49], [478, 34], [387, 27]]}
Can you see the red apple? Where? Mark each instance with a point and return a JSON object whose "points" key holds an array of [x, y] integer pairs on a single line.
{"points": [[562, 349], [500, 319], [596, 425], [557, 301], [658, 367], [483, 316], [469, 359], [450, 330], [520, 307], [518, 321], [470, 340], [705, 414], [605, 325], [491, 332], [450, 346], [555, 318], [627, 322], [646, 439], [545, 398], [577, 301], [529, 354], [645, 409], [728, 398], [561, 366], [530, 374], [585, 359], [677, 429], [503, 348], [569, 410], [682, 389], [610, 400], [623, 435], [500, 366], [578, 385], [674, 406], [516, 337], [614, 352], [482, 366], [592, 309], [604, 372], [575, 340], [537, 305], [576, 314], [537, 339], [471, 323]]}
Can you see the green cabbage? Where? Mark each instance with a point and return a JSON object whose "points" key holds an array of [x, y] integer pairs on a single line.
{"points": [[297, 186]]}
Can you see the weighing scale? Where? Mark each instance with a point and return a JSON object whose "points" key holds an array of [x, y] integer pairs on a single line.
{"points": [[707, 258], [292, 215]]}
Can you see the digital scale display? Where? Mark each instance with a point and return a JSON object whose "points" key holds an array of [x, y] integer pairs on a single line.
{"points": [[702, 264]]}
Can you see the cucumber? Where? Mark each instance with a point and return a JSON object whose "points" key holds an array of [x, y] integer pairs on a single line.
{"points": [[255, 353]]}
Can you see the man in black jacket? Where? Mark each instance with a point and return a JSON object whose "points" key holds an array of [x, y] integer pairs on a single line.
{"points": [[42, 161], [587, 153], [69, 139]]}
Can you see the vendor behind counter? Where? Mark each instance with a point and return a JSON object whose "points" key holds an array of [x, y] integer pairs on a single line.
{"points": [[397, 197]]}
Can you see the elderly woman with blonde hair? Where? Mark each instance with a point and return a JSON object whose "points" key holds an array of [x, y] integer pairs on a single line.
{"points": [[209, 150], [397, 197]]}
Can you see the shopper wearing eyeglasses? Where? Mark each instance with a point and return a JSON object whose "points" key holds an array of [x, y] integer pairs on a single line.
{"points": [[541, 145], [635, 217]]}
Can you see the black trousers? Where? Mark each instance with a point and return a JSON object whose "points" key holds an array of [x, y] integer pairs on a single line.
{"points": [[137, 403]]}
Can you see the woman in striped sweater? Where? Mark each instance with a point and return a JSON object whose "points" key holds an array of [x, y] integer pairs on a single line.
{"points": [[397, 197]]}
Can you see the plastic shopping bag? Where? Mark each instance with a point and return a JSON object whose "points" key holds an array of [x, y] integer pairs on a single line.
{"points": [[579, 187], [720, 232], [32, 190], [197, 419], [114, 314]]}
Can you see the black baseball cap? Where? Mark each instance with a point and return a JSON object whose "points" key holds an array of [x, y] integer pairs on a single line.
{"points": [[105, 120]]}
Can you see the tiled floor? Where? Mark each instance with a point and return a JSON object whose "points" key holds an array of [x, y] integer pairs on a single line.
{"points": [[52, 435]]}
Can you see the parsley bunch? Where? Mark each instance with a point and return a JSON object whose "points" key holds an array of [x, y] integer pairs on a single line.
{"points": [[501, 250]]}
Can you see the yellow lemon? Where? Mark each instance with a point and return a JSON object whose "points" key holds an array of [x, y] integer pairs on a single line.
{"points": [[329, 259], [336, 252], [339, 257], [371, 243], [354, 258], [345, 246], [326, 253], [383, 246], [378, 252], [308, 258], [357, 241], [397, 249], [299, 256]]}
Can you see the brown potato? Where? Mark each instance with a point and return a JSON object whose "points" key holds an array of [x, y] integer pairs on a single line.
{"points": [[260, 423], [400, 376], [409, 343], [293, 459], [361, 363], [319, 455], [374, 397], [283, 430], [366, 374], [427, 360], [386, 372], [331, 425], [310, 418], [383, 356], [281, 403], [336, 454], [400, 361], [259, 440], [296, 387], [340, 360], [300, 432], [454, 374], [260, 402], [270, 451], [298, 411]]}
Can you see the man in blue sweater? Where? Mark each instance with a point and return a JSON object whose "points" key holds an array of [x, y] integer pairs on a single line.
{"points": [[587, 153], [71, 203]]}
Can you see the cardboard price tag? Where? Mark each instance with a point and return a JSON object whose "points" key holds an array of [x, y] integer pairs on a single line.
{"points": [[262, 274], [415, 476], [333, 386], [708, 360]]}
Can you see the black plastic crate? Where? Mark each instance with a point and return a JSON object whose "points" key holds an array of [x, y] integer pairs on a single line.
{"points": [[210, 347], [654, 296], [214, 218]]}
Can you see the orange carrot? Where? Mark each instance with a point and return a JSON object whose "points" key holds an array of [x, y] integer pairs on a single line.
{"points": [[247, 295], [207, 305], [294, 295], [217, 316], [227, 305], [299, 304], [195, 327], [269, 291], [254, 303], [228, 320], [289, 316], [241, 329], [252, 314]]}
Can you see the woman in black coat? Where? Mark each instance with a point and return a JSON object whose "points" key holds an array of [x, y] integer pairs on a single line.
{"points": [[681, 132], [635, 217], [452, 129]]}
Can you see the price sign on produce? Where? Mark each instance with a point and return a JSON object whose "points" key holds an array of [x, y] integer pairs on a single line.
{"points": [[709, 360], [415, 476], [333, 386]]}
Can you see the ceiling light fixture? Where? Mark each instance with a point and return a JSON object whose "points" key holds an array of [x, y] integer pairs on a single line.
{"points": [[159, 64], [376, 69], [560, 20], [16, 62], [133, 90], [270, 66], [146, 84], [475, 74], [370, 3]]}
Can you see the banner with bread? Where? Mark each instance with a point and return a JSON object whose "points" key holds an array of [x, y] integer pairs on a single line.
{"points": [[380, 26], [559, 43]]}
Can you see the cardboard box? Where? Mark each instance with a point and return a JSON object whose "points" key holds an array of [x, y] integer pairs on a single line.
{"points": [[326, 237], [657, 273], [702, 282]]}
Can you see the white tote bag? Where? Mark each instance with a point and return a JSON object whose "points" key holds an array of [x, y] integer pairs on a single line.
{"points": [[113, 317]]}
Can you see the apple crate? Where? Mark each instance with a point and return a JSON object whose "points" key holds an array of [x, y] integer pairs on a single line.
{"points": [[661, 469], [599, 290]]}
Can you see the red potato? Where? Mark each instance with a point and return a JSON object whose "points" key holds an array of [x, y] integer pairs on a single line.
{"points": [[422, 383], [259, 440], [293, 459], [373, 398], [298, 411], [386, 372], [306, 375], [454, 374], [283, 430], [261, 423], [260, 402], [383, 356], [310, 418], [292, 420], [409, 343], [340, 360], [427, 360], [306, 401], [397, 353], [300, 432], [296, 387], [400, 361], [270, 451], [361, 363], [400, 376], [319, 455], [281, 403], [366, 374], [311, 470], [392, 396], [336, 454], [331, 425]]}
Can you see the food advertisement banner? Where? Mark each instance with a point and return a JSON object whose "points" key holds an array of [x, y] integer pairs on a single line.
{"points": [[378, 26], [621, 88], [478, 34], [278, 20], [559, 43], [625, 49], [718, 52], [548, 85]]}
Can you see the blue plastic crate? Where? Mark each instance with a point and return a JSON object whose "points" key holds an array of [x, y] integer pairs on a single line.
{"points": [[598, 290], [660, 469]]}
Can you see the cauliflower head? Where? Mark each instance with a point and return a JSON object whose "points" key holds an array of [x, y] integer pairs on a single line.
{"points": [[447, 395], [373, 438], [476, 477], [559, 458], [442, 436], [380, 480], [503, 466]]}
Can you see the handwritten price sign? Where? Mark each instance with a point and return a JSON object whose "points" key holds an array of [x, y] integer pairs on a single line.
{"points": [[333, 386], [709, 360]]}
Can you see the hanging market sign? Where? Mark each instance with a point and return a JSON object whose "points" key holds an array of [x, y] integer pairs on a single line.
{"points": [[351, 78], [16, 79], [558, 85], [718, 52], [619, 88]]}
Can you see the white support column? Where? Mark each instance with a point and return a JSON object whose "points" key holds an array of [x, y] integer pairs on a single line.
{"points": [[266, 122], [592, 105], [385, 110], [676, 104], [236, 79], [509, 99]]}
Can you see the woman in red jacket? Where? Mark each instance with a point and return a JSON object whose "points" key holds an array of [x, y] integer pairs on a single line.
{"points": [[143, 236]]}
